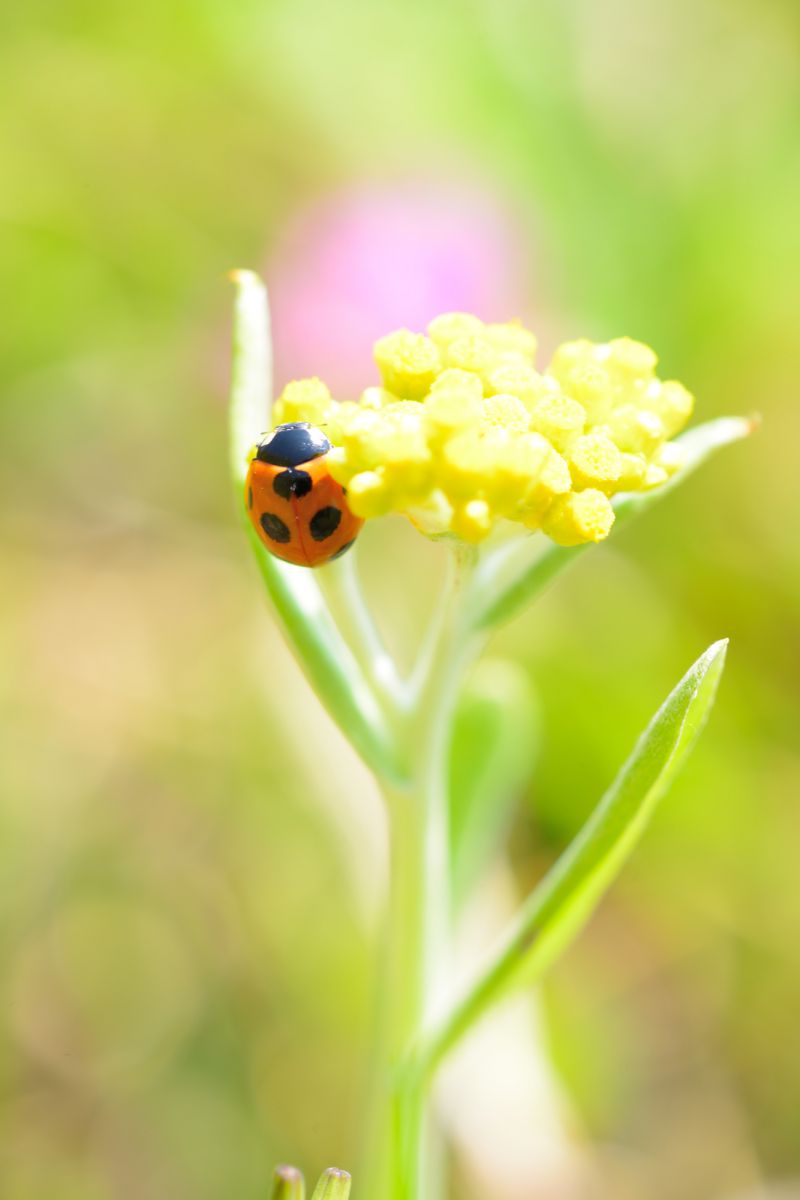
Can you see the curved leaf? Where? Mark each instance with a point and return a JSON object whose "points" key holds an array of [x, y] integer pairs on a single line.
{"points": [[294, 591], [561, 904], [326, 660]]}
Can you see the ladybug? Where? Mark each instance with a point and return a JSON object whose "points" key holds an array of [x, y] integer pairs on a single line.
{"points": [[297, 508]]}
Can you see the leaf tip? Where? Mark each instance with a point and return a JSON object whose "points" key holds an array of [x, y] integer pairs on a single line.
{"points": [[334, 1184], [245, 281], [738, 428], [714, 656], [706, 672], [287, 1183]]}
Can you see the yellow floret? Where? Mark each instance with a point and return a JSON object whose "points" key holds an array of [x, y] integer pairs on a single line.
{"points": [[636, 430], [357, 432], [517, 469], [303, 400], [671, 402], [670, 457], [473, 353], [595, 462], [400, 445], [570, 356], [473, 521], [368, 496], [448, 411], [392, 440], [340, 417], [450, 326], [521, 380], [506, 412], [456, 380], [496, 345], [634, 467], [590, 385], [376, 397], [559, 418], [408, 363], [433, 516], [579, 517], [464, 432], [654, 476], [513, 341], [628, 359], [552, 480], [469, 460], [623, 359]]}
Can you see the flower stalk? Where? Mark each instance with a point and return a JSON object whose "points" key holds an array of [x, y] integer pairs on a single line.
{"points": [[418, 928]]}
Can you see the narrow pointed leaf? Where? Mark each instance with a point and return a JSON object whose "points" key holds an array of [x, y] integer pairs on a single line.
{"points": [[558, 908], [510, 578], [333, 1185], [287, 1184], [294, 592]]}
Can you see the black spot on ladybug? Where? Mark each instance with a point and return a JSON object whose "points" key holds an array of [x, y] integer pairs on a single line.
{"points": [[293, 444], [292, 483], [342, 549], [249, 497], [275, 528], [325, 522]]}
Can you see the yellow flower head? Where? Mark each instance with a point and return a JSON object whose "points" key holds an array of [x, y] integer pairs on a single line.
{"points": [[464, 431]]}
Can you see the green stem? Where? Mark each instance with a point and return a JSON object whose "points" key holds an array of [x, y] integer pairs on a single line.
{"points": [[417, 936], [342, 588]]}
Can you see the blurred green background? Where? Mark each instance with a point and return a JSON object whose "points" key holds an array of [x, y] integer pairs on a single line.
{"points": [[186, 844]]}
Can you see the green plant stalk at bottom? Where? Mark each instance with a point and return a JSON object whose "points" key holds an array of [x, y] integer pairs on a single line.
{"points": [[418, 915]]}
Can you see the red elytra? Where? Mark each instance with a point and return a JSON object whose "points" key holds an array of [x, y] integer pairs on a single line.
{"points": [[297, 508]]}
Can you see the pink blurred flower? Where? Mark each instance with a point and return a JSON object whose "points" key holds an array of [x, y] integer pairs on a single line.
{"points": [[359, 263]]}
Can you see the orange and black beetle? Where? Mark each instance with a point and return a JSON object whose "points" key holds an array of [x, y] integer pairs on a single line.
{"points": [[297, 508]]}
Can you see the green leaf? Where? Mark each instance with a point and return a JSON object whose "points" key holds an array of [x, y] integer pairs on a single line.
{"points": [[495, 738], [509, 579], [333, 1185], [294, 591], [288, 1184], [561, 904], [251, 376]]}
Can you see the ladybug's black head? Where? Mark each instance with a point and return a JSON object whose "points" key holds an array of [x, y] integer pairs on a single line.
{"points": [[293, 444]]}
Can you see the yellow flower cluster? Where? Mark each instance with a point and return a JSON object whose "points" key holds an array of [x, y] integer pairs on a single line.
{"points": [[464, 430]]}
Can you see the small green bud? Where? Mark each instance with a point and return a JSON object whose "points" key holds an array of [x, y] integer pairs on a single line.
{"points": [[288, 1184], [333, 1185]]}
